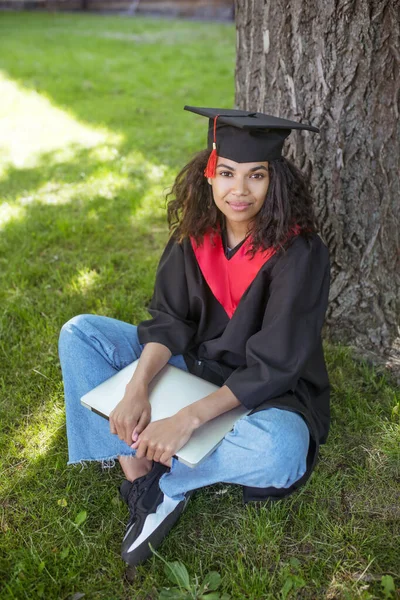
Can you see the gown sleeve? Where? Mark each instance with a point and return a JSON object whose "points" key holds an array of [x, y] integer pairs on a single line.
{"points": [[291, 326], [169, 306]]}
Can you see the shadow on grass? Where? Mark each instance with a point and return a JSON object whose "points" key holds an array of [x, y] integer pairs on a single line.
{"points": [[75, 246], [344, 518], [51, 167], [86, 237], [96, 252], [135, 90], [55, 497]]}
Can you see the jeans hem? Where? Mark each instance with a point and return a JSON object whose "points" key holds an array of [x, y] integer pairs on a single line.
{"points": [[102, 460], [180, 496]]}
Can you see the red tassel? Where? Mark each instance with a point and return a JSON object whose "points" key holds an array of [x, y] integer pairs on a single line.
{"points": [[213, 158], [211, 163]]}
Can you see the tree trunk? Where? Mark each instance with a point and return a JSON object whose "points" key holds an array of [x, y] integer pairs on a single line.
{"points": [[336, 65]]}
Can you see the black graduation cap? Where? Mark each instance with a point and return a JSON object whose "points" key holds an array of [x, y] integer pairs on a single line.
{"points": [[245, 136]]}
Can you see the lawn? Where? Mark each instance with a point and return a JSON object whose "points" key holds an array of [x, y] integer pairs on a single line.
{"points": [[92, 133]]}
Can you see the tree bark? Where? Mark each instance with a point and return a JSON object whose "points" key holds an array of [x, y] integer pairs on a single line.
{"points": [[336, 65]]}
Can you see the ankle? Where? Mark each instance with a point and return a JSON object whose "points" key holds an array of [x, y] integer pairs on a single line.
{"points": [[134, 468]]}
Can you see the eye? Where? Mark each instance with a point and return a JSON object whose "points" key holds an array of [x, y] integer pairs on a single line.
{"points": [[257, 176], [225, 173]]}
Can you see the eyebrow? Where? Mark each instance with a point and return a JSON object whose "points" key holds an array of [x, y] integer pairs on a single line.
{"points": [[251, 170]]}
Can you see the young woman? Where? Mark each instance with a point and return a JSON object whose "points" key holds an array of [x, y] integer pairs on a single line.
{"points": [[240, 297]]}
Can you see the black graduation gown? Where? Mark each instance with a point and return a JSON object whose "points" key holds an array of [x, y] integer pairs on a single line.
{"points": [[270, 352]]}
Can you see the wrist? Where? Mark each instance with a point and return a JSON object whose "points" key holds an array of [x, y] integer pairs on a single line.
{"points": [[137, 387], [189, 417]]}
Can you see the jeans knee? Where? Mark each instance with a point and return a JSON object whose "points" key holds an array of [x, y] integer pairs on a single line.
{"points": [[276, 441], [69, 329]]}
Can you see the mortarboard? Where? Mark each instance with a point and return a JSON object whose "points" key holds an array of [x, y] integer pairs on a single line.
{"points": [[245, 136]]}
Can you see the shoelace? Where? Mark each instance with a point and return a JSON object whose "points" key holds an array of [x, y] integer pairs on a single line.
{"points": [[133, 497]]}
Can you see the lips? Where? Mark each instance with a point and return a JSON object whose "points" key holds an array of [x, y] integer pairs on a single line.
{"points": [[239, 205]]}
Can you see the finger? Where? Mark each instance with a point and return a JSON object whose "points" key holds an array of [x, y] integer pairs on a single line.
{"points": [[128, 431], [165, 459], [112, 426], [167, 453], [143, 421], [141, 449], [120, 429], [136, 443], [158, 453], [116, 426], [150, 453]]}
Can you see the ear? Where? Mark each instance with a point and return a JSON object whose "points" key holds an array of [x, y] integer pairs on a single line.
{"points": [[209, 180]]}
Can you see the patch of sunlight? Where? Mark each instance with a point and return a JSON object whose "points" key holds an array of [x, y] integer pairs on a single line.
{"points": [[103, 153], [152, 204], [31, 125], [136, 165], [10, 213], [159, 180], [40, 431], [105, 185], [92, 215], [36, 437], [84, 280]]}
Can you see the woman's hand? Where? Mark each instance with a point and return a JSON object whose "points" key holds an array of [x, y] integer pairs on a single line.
{"points": [[131, 415], [162, 439]]}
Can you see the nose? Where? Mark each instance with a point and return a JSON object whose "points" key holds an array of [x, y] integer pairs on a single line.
{"points": [[240, 186]]}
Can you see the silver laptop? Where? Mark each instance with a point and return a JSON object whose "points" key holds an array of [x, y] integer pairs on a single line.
{"points": [[170, 391]]}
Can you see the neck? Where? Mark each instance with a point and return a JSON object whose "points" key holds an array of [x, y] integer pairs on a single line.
{"points": [[236, 232]]}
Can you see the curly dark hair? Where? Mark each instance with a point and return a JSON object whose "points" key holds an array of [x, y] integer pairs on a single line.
{"points": [[192, 211]]}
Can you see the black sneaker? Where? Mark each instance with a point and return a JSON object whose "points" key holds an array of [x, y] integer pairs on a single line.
{"points": [[152, 515], [130, 492]]}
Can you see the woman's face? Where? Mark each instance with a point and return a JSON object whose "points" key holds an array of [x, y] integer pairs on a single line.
{"points": [[240, 189]]}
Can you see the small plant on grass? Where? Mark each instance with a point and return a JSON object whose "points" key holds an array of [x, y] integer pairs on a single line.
{"points": [[388, 586], [292, 580], [185, 589]]}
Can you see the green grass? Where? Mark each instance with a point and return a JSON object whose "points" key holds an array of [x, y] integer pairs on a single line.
{"points": [[92, 133]]}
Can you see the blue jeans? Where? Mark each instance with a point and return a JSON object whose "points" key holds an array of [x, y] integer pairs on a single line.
{"points": [[268, 448]]}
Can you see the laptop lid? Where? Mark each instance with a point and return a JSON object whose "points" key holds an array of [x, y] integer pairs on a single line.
{"points": [[171, 390]]}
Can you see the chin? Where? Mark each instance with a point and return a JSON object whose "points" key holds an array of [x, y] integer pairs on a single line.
{"points": [[239, 218]]}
